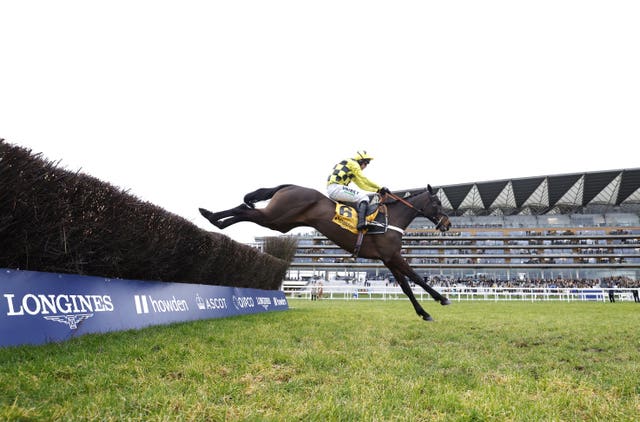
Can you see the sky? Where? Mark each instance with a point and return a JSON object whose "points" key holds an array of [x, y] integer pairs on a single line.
{"points": [[190, 104]]}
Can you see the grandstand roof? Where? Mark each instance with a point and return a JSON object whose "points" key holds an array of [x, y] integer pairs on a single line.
{"points": [[554, 194]]}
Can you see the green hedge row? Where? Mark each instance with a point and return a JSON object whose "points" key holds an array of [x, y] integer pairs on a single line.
{"points": [[55, 220]]}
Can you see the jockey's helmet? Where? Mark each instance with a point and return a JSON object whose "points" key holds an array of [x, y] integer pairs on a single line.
{"points": [[362, 156]]}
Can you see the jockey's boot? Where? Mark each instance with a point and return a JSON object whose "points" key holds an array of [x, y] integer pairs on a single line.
{"points": [[362, 214]]}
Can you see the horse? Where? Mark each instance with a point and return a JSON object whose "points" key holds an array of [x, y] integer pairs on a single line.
{"points": [[293, 206]]}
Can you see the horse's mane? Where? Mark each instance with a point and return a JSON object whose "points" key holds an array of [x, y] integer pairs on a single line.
{"points": [[409, 195], [420, 192]]}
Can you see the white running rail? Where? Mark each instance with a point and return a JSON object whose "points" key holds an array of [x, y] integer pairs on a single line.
{"points": [[352, 292]]}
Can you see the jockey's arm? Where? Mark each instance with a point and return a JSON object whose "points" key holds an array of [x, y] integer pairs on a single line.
{"points": [[361, 180]]}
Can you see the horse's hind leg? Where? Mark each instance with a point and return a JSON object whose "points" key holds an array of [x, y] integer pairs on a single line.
{"points": [[228, 217]]}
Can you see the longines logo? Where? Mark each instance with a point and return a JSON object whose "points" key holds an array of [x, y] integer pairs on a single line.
{"points": [[71, 320], [265, 302], [70, 310]]}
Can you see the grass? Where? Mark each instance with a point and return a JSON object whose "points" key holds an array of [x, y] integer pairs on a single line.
{"points": [[336, 360]]}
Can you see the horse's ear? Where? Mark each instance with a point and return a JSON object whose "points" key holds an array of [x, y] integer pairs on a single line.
{"points": [[430, 189]]}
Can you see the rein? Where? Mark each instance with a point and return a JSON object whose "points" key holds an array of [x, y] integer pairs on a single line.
{"points": [[438, 223], [407, 203]]}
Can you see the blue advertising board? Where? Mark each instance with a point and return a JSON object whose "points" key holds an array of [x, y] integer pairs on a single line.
{"points": [[38, 307]]}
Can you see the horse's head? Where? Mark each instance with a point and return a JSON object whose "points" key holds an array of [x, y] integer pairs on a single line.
{"points": [[432, 209]]}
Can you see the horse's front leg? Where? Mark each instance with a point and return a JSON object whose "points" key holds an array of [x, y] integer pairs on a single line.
{"points": [[436, 295], [406, 269], [403, 266], [404, 285]]}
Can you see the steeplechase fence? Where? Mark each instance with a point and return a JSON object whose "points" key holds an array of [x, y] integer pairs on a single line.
{"points": [[353, 292]]}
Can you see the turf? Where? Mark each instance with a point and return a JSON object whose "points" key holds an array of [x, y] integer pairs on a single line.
{"points": [[337, 360]]}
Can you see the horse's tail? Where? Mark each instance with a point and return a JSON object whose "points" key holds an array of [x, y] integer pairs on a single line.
{"points": [[261, 194]]}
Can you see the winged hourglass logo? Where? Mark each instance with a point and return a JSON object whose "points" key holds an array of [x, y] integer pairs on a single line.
{"points": [[71, 320]]}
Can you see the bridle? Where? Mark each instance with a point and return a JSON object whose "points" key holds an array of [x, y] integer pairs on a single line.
{"points": [[420, 211]]}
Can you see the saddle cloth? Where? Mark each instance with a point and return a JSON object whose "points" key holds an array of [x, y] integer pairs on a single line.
{"points": [[347, 218]]}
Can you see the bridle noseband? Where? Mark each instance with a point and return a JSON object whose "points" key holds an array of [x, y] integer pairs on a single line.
{"points": [[437, 223]]}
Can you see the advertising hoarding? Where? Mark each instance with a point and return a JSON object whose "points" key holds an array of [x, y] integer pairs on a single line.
{"points": [[38, 307]]}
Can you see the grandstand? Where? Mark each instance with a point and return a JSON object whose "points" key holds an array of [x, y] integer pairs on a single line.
{"points": [[556, 228]]}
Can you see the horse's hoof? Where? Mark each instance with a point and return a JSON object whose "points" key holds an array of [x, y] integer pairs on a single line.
{"points": [[208, 215], [427, 318], [445, 302]]}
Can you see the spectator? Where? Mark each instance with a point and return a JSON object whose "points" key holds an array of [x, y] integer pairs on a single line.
{"points": [[612, 295]]}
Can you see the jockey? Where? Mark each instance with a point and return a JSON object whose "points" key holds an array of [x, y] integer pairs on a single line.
{"points": [[347, 171]]}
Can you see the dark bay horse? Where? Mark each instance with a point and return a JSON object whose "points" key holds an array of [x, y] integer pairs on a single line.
{"points": [[295, 206]]}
